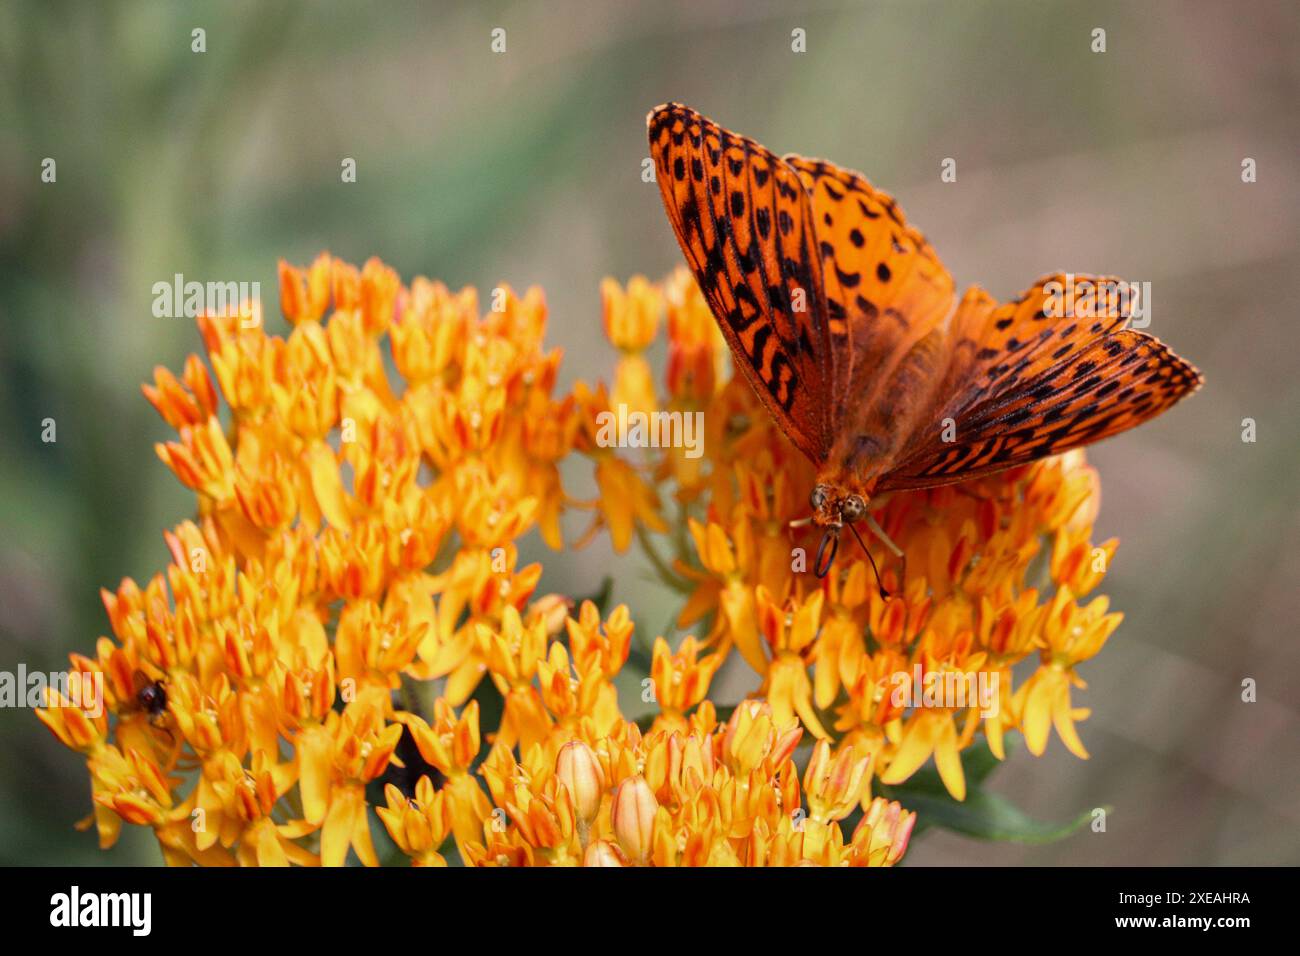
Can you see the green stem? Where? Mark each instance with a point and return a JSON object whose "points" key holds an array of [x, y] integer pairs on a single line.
{"points": [[662, 568]]}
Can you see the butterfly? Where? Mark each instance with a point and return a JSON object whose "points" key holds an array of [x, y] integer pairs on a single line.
{"points": [[848, 328]]}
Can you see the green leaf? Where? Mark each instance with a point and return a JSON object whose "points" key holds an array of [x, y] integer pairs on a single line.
{"points": [[978, 761], [600, 597], [984, 815], [988, 816]]}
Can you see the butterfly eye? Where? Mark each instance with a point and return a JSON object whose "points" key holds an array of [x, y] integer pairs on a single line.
{"points": [[818, 497], [853, 508]]}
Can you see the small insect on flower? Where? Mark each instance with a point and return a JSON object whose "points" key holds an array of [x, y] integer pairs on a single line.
{"points": [[151, 699]]}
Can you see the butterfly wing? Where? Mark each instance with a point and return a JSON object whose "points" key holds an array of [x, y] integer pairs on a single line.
{"points": [[744, 222], [886, 290], [1026, 380], [869, 367]]}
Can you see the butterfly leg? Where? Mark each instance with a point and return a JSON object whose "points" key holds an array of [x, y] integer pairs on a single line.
{"points": [[888, 542]]}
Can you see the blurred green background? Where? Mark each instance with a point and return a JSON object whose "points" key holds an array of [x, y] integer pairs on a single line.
{"points": [[477, 167]]}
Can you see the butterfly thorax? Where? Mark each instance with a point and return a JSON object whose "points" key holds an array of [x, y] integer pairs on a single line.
{"points": [[873, 431], [854, 463]]}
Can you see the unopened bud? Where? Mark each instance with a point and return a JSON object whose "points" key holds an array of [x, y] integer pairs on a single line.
{"points": [[579, 771], [602, 853], [633, 814]]}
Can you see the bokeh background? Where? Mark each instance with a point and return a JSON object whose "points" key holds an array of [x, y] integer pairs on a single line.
{"points": [[475, 168]]}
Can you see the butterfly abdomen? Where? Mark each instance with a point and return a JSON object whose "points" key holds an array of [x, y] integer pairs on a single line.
{"points": [[886, 412]]}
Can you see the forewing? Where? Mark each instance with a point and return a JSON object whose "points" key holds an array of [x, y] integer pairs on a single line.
{"points": [[744, 222], [885, 287]]}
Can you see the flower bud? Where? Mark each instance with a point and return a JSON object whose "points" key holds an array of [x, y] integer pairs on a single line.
{"points": [[602, 853], [633, 814], [631, 315], [578, 770], [834, 786]]}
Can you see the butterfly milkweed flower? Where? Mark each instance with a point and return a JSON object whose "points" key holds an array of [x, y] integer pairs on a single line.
{"points": [[352, 579]]}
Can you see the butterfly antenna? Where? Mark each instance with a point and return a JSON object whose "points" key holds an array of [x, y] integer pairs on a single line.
{"points": [[880, 584]]}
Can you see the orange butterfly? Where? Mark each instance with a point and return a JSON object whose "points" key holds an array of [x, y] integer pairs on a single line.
{"points": [[845, 323]]}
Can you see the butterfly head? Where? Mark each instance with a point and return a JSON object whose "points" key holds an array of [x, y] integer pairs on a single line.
{"points": [[833, 506]]}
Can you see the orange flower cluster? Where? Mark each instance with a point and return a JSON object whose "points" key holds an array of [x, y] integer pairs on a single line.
{"points": [[705, 795], [353, 574], [907, 677]]}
